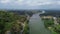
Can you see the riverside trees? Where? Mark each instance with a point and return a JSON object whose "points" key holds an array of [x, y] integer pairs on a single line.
{"points": [[10, 22]]}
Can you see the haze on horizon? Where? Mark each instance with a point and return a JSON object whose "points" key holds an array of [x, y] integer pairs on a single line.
{"points": [[29, 4]]}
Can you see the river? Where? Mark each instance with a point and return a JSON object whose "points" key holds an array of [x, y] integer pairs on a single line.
{"points": [[36, 25]]}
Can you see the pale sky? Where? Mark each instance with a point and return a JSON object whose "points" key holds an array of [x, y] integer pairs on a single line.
{"points": [[29, 4]]}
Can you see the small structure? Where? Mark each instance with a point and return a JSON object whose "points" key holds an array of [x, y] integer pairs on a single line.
{"points": [[47, 17], [55, 21], [58, 20]]}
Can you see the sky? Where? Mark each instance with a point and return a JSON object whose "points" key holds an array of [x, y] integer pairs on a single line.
{"points": [[29, 4]]}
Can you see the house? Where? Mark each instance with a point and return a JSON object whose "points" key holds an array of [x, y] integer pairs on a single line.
{"points": [[55, 21], [46, 17], [58, 20]]}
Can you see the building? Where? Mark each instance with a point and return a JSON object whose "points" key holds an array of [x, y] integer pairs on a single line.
{"points": [[47, 17]]}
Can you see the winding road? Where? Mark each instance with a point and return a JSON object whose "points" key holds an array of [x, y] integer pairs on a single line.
{"points": [[36, 25]]}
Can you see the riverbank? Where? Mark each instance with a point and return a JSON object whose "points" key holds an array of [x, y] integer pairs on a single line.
{"points": [[52, 25]]}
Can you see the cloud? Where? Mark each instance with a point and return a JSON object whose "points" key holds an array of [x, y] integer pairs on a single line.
{"points": [[58, 2], [4, 1], [40, 3], [29, 3]]}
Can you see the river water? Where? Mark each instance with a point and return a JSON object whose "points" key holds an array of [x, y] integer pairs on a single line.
{"points": [[36, 25]]}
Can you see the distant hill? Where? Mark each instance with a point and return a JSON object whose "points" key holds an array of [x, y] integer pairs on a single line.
{"points": [[51, 12]]}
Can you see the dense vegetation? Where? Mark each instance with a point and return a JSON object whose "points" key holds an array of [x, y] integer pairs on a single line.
{"points": [[11, 22], [22, 12], [49, 24]]}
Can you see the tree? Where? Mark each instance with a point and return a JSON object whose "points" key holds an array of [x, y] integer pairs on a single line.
{"points": [[6, 21]]}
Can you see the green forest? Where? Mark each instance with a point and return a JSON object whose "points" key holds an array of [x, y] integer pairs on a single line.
{"points": [[12, 23]]}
